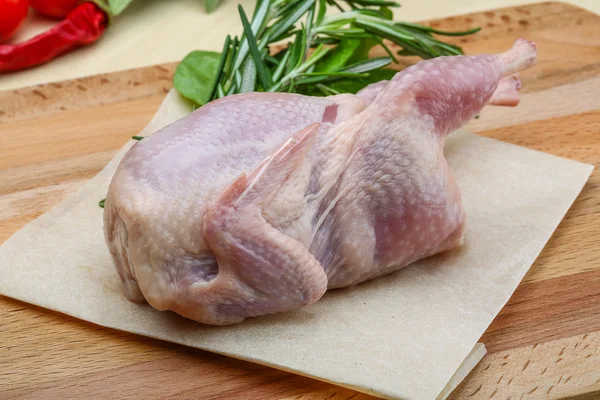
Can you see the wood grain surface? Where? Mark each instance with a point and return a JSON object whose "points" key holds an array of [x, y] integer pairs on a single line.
{"points": [[544, 344]]}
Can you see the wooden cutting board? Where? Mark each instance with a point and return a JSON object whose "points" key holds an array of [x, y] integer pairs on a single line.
{"points": [[544, 344]]}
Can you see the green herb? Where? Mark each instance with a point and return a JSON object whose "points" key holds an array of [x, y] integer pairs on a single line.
{"points": [[259, 63], [112, 8], [196, 75], [101, 203], [118, 6], [324, 54], [211, 5], [137, 137]]}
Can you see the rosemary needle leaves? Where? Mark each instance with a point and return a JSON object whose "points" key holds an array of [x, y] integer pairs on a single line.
{"points": [[321, 54]]}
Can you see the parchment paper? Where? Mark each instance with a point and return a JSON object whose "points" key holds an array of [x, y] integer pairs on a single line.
{"points": [[401, 336]]}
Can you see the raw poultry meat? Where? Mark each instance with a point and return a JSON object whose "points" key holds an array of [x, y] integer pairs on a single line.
{"points": [[258, 203]]}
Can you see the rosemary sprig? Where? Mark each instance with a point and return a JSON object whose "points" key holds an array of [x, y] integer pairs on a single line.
{"points": [[339, 59]]}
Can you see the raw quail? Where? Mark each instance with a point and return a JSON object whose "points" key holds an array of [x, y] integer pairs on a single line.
{"points": [[258, 203]]}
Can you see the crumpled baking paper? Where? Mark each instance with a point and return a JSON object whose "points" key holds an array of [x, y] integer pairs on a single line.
{"points": [[410, 335]]}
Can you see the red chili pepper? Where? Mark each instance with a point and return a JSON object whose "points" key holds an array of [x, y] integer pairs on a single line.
{"points": [[84, 25]]}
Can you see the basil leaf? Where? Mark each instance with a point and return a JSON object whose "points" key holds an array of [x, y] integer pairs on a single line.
{"points": [[211, 5], [195, 75], [338, 58], [118, 6], [347, 52], [362, 51]]}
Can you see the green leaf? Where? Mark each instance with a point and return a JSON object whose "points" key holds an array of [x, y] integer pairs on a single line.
{"points": [[296, 50], [220, 92], [405, 52], [248, 77], [221, 67], [386, 13], [263, 72], [432, 30], [316, 77], [310, 19], [341, 43], [259, 16], [338, 57], [353, 86], [346, 34], [350, 85], [292, 87], [301, 48], [281, 67], [321, 11], [341, 74], [315, 57], [387, 50], [382, 3], [325, 40], [259, 20], [384, 30], [453, 50], [362, 52], [335, 3], [282, 26], [211, 5], [237, 75], [273, 60], [402, 37], [196, 74], [327, 91], [232, 89], [101, 203], [368, 65], [118, 6], [288, 5]]}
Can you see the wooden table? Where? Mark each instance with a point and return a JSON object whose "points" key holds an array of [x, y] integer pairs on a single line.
{"points": [[543, 345]]}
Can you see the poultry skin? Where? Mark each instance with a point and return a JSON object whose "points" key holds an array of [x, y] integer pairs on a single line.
{"points": [[258, 203]]}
